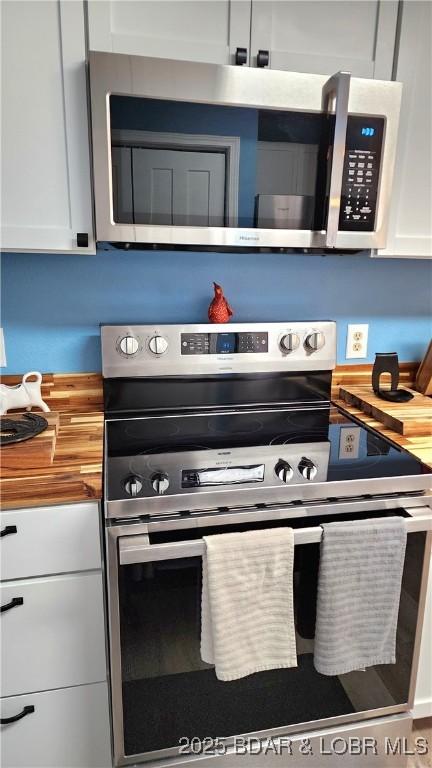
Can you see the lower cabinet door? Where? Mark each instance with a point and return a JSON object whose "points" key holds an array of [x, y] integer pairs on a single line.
{"points": [[68, 728], [62, 538], [53, 633]]}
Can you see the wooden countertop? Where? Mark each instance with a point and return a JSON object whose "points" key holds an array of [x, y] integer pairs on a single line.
{"points": [[355, 376], [76, 472], [420, 447]]}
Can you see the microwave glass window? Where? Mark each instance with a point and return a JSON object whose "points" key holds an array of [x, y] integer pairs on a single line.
{"points": [[203, 165]]}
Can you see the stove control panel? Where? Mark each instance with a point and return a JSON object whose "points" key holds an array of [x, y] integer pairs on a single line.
{"points": [[174, 475], [181, 350], [225, 342]]}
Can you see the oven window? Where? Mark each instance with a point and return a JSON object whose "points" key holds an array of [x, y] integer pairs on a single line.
{"points": [[204, 165], [170, 693]]}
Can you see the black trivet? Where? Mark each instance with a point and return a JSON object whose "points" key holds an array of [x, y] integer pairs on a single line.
{"points": [[15, 431]]}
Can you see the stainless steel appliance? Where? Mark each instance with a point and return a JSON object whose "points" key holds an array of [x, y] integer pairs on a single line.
{"points": [[182, 151], [212, 429]]}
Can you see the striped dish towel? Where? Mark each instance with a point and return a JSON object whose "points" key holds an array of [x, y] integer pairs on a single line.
{"points": [[359, 586], [247, 617]]}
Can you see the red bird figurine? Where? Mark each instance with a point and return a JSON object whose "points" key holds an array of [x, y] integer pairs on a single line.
{"points": [[219, 310]]}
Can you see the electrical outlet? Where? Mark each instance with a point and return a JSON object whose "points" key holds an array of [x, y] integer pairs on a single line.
{"points": [[357, 338], [349, 442]]}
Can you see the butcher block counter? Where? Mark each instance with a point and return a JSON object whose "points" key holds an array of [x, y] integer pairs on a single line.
{"points": [[354, 378], [76, 471]]}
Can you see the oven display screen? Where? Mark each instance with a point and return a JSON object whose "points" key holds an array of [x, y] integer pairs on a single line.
{"points": [[224, 343], [200, 478]]}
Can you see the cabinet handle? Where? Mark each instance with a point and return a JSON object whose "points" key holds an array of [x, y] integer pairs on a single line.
{"points": [[8, 530], [263, 58], [26, 711], [82, 239], [14, 602], [241, 56]]}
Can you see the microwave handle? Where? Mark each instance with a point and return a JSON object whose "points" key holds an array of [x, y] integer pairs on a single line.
{"points": [[337, 87], [137, 549]]}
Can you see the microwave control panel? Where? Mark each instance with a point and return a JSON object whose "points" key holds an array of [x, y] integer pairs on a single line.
{"points": [[362, 162]]}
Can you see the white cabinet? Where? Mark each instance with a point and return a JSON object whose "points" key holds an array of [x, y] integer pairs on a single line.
{"points": [[68, 728], [321, 36], [325, 36], [56, 636], [46, 189], [193, 30], [410, 226], [53, 649], [39, 541]]}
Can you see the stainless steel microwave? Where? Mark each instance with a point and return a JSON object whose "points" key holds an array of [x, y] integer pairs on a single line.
{"points": [[224, 157]]}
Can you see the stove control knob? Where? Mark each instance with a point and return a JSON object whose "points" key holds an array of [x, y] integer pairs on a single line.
{"points": [[314, 341], [307, 468], [129, 345], [289, 342], [158, 345], [284, 471], [133, 485], [160, 483]]}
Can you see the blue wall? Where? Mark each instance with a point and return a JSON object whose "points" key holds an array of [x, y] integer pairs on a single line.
{"points": [[52, 304]]}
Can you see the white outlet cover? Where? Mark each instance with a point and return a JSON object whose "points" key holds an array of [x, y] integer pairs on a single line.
{"points": [[352, 351], [349, 442]]}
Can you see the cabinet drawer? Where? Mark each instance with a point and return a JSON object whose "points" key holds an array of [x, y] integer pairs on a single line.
{"points": [[68, 728], [48, 540], [55, 637]]}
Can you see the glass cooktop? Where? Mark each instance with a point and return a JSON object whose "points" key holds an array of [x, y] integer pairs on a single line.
{"points": [[353, 451]]}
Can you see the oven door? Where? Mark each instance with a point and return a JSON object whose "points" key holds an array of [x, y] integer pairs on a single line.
{"points": [[200, 155], [164, 695]]}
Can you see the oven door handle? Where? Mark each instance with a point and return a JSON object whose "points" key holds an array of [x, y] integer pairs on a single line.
{"points": [[338, 87], [137, 549]]}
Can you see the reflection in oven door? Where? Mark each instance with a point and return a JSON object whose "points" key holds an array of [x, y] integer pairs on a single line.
{"points": [[168, 692]]}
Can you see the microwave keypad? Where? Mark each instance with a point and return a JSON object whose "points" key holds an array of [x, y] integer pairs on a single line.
{"points": [[358, 189], [361, 173]]}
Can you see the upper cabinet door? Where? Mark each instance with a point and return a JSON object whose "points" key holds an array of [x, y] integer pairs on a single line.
{"points": [[326, 36], [46, 192], [410, 225], [209, 31]]}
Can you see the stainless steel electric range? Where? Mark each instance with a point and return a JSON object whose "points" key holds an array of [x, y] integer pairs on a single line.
{"points": [[213, 429]]}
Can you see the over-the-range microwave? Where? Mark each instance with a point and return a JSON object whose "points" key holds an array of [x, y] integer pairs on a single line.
{"points": [[223, 157]]}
